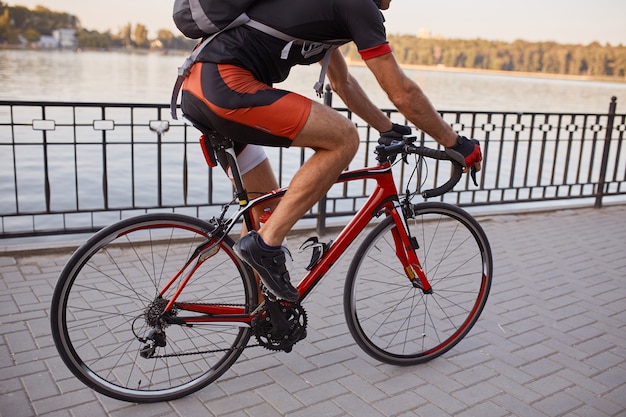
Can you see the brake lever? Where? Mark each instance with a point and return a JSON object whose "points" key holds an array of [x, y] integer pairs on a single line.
{"points": [[473, 175]]}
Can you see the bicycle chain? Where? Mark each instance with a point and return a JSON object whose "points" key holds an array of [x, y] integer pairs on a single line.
{"points": [[268, 344], [204, 352], [171, 355]]}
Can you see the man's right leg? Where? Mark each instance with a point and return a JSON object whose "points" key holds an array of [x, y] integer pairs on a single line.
{"points": [[335, 141]]}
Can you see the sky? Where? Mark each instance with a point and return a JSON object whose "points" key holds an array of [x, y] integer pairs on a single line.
{"points": [[563, 21]]}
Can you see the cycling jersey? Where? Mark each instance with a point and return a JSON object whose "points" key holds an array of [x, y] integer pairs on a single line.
{"points": [[313, 20]]}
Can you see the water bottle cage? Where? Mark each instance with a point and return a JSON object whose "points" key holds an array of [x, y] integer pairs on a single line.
{"points": [[319, 249]]}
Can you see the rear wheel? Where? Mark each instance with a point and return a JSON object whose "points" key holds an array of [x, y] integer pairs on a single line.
{"points": [[106, 310], [398, 323]]}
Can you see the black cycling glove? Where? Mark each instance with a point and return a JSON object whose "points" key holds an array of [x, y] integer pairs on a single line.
{"points": [[397, 131], [466, 152]]}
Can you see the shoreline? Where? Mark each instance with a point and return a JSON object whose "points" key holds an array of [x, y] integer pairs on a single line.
{"points": [[351, 62], [442, 68]]}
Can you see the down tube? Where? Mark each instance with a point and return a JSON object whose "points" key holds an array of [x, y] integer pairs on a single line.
{"points": [[382, 198]]}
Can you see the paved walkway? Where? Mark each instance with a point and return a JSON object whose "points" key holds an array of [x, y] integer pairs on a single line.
{"points": [[551, 341]]}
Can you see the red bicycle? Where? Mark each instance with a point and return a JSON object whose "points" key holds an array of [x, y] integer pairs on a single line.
{"points": [[158, 306]]}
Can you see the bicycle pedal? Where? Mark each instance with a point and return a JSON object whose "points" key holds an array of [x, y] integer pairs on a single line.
{"points": [[267, 294], [319, 249]]}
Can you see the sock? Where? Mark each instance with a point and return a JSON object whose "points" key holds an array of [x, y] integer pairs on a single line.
{"points": [[266, 246]]}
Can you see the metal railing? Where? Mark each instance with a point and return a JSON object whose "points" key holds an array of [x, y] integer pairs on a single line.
{"points": [[68, 168]]}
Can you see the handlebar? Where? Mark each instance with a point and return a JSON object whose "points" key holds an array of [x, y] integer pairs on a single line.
{"points": [[389, 148]]}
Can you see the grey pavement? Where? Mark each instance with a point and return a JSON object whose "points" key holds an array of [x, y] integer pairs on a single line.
{"points": [[551, 341]]}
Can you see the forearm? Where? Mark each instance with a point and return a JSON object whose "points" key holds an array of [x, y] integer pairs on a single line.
{"points": [[350, 91], [354, 97], [410, 100], [416, 107]]}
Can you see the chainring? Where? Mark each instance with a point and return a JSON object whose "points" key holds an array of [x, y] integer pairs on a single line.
{"points": [[274, 338]]}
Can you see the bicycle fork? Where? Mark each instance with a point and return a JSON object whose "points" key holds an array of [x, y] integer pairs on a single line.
{"points": [[406, 246]]}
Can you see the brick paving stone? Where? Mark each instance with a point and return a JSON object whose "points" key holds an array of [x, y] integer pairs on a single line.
{"points": [[559, 404], [399, 403], [485, 409], [356, 406], [361, 388], [442, 398], [326, 409], [317, 393], [264, 410], [280, 399], [551, 340], [15, 404]]}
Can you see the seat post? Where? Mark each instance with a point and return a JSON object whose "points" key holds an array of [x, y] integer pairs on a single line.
{"points": [[225, 152]]}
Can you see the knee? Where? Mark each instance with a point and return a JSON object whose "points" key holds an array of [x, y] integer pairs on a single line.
{"points": [[350, 139]]}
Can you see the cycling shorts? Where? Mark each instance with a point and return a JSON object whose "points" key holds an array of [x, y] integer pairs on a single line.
{"points": [[230, 100]]}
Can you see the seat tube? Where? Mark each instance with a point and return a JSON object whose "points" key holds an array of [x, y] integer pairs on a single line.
{"points": [[240, 190]]}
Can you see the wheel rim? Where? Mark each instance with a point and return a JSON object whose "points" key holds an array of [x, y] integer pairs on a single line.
{"points": [[102, 308]]}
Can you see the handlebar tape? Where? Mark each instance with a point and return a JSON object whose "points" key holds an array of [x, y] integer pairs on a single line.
{"points": [[393, 146]]}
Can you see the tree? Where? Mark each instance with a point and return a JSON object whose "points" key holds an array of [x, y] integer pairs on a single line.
{"points": [[166, 37], [125, 36], [8, 31], [140, 36], [31, 35], [93, 39]]}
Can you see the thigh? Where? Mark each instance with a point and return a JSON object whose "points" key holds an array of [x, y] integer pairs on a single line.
{"points": [[326, 129]]}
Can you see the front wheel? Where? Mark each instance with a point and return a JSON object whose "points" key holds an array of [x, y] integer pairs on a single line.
{"points": [[397, 322], [108, 305]]}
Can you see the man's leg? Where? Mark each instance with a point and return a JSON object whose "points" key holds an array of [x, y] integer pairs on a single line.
{"points": [[335, 141], [260, 179]]}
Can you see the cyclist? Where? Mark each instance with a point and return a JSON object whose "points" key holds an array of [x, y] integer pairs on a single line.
{"points": [[230, 89]]}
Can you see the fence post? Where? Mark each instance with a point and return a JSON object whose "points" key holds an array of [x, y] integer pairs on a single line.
{"points": [[321, 205], [605, 153]]}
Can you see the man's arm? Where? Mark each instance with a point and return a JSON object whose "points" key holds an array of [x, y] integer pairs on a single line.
{"points": [[350, 91], [410, 100]]}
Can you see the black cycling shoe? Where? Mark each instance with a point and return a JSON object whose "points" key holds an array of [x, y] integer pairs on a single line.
{"points": [[269, 264]]}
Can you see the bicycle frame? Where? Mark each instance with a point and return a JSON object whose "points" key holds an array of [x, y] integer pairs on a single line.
{"points": [[383, 200]]}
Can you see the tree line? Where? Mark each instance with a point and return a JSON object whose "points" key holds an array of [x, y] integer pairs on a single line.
{"points": [[593, 60], [19, 24]]}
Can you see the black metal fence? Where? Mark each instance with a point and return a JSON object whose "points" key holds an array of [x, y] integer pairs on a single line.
{"points": [[67, 168]]}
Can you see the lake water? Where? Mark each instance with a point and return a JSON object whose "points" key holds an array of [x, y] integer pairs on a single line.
{"points": [[148, 78]]}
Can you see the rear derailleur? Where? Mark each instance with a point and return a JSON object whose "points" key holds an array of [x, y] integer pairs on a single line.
{"points": [[280, 324], [154, 319]]}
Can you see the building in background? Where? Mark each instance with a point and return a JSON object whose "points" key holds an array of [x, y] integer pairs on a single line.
{"points": [[60, 39]]}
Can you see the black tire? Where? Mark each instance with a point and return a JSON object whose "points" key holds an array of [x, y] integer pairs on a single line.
{"points": [[98, 311], [399, 324]]}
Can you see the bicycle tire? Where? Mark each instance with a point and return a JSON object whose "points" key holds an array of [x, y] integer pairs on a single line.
{"points": [[399, 324], [100, 308]]}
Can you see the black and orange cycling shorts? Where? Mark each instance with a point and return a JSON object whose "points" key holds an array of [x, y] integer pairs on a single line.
{"points": [[231, 101]]}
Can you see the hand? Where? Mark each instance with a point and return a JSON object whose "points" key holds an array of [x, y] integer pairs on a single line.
{"points": [[396, 132], [467, 153]]}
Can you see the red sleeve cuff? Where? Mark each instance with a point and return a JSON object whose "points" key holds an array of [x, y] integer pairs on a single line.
{"points": [[379, 50]]}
